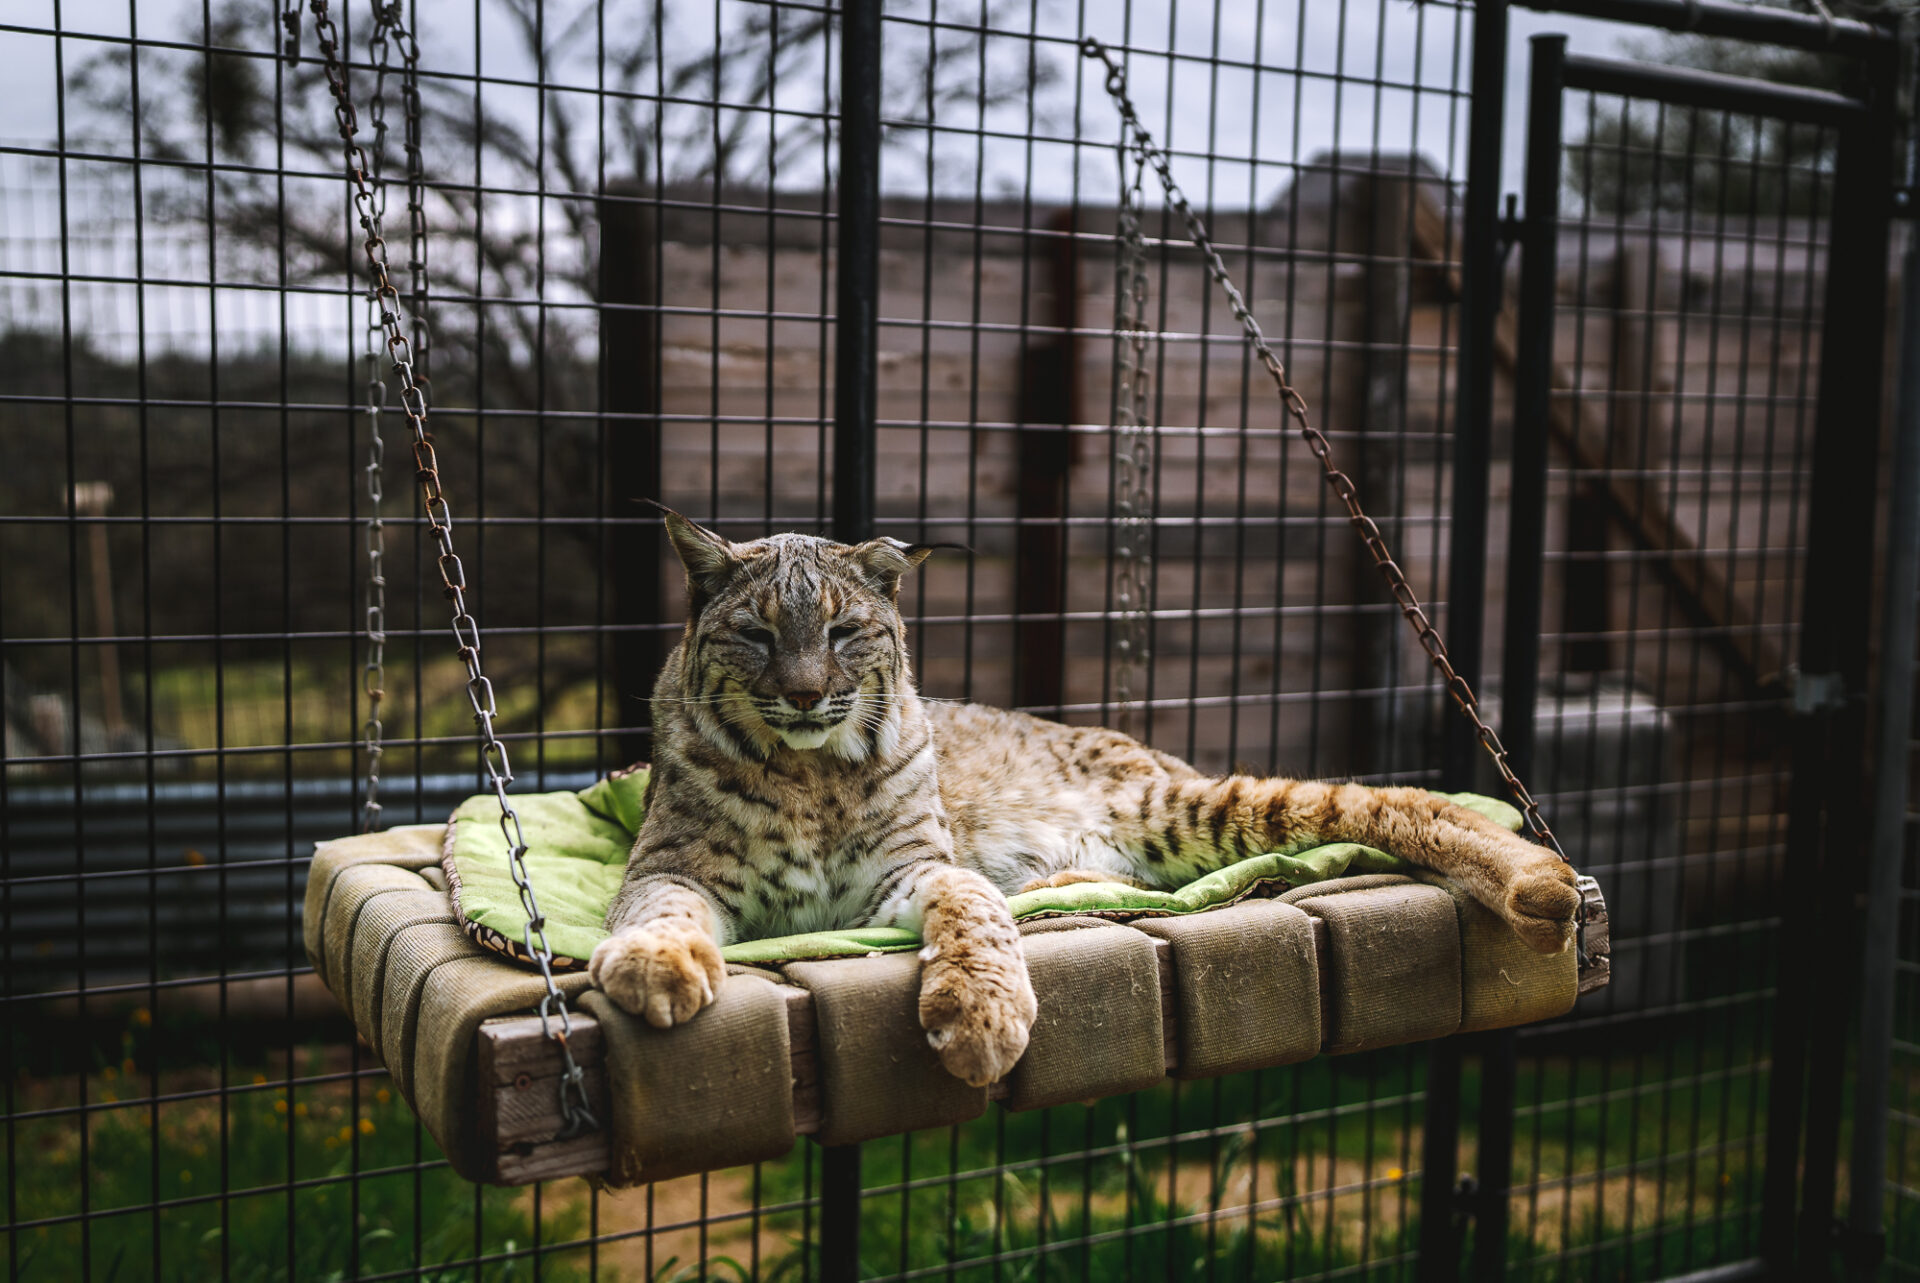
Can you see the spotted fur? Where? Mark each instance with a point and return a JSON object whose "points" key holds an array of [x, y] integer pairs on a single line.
{"points": [[800, 783]]}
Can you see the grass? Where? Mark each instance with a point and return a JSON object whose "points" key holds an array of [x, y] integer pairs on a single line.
{"points": [[314, 698], [158, 1154], [1291, 1173]]}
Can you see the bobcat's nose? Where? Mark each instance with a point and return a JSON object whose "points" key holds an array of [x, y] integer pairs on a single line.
{"points": [[803, 700]]}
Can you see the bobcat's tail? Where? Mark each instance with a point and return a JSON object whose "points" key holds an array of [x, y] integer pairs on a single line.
{"points": [[1209, 822]]}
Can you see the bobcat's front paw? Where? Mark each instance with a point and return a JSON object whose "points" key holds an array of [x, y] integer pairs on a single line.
{"points": [[665, 971], [977, 1007], [1543, 906]]}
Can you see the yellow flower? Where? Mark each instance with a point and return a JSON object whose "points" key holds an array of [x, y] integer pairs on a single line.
{"points": [[109, 1074], [279, 1106], [259, 1080], [383, 1095], [1394, 1173], [300, 1110], [142, 1017], [186, 1177], [366, 1127]]}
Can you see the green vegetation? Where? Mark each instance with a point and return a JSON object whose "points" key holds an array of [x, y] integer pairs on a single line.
{"points": [[1288, 1173]]}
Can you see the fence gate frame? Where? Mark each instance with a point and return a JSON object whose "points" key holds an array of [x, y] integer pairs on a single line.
{"points": [[1828, 828]]}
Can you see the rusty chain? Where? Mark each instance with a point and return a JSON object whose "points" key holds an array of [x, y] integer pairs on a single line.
{"points": [[1134, 134], [373, 671], [389, 30], [1132, 446], [290, 26], [556, 1020]]}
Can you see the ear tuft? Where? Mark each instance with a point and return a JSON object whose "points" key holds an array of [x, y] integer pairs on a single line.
{"points": [[884, 561], [710, 561]]}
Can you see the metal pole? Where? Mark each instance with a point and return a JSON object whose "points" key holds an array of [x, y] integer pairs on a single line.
{"points": [[857, 298], [1532, 402], [1847, 37], [1826, 824], [1439, 1252], [1866, 1234], [840, 1213], [1480, 297], [629, 361], [1520, 672], [855, 361]]}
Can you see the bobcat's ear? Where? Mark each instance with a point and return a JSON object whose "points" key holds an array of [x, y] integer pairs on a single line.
{"points": [[883, 561], [709, 560]]}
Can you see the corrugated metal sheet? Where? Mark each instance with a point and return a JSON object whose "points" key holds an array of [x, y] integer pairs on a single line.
{"points": [[188, 879]]}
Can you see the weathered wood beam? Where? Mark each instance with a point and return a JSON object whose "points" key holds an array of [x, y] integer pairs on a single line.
{"points": [[1702, 587], [519, 1082], [518, 1073]]}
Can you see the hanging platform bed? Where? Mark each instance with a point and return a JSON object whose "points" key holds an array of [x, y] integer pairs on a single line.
{"points": [[1268, 962]]}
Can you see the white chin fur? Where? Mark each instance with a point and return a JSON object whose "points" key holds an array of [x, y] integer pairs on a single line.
{"points": [[804, 736]]}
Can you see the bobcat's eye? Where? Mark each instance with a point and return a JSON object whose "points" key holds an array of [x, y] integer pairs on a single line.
{"points": [[758, 636], [840, 632]]}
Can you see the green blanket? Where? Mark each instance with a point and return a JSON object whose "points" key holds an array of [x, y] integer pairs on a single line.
{"points": [[577, 846]]}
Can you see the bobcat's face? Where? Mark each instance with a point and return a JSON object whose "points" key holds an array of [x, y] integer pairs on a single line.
{"points": [[794, 640]]}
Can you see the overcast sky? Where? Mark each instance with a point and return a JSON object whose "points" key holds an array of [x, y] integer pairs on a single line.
{"points": [[1226, 110], [1319, 60]]}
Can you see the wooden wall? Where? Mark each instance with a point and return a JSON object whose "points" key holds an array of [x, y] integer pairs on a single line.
{"points": [[1681, 431]]}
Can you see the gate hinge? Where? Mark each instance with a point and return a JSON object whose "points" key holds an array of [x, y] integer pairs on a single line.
{"points": [[1816, 692], [1466, 1200], [1508, 230]]}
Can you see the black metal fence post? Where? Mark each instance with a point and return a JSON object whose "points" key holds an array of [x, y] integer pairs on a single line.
{"points": [[1480, 298], [857, 286], [1866, 1237], [630, 436], [1826, 828], [1520, 670], [855, 359], [1466, 571], [1854, 418]]}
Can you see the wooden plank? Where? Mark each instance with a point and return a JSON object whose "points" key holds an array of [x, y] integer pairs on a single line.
{"points": [[519, 1084], [518, 1079]]}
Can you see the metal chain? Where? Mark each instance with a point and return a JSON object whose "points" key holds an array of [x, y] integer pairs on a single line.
{"points": [[1132, 446], [290, 25], [555, 1020], [373, 672], [389, 29], [1135, 135], [418, 330]]}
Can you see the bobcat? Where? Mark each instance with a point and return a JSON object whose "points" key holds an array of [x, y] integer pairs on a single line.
{"points": [[800, 783]]}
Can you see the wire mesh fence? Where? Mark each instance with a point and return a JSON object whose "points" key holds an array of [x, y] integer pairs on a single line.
{"points": [[1690, 282], [630, 244]]}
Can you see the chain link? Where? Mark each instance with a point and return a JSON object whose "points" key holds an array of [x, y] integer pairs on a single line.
{"points": [[389, 30], [290, 27], [1134, 135], [556, 1021], [373, 672], [1132, 445]]}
